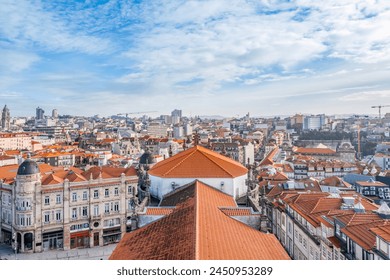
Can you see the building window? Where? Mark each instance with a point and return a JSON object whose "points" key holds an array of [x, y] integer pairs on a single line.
{"points": [[337, 229], [74, 197], [304, 243], [58, 216], [21, 219], [28, 220], [116, 191], [58, 199], [96, 210], [130, 189], [47, 200], [85, 211], [106, 193], [116, 206], [74, 213], [85, 195], [47, 217], [107, 208], [96, 194]]}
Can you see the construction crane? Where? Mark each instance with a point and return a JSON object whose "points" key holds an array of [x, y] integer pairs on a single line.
{"points": [[133, 113], [380, 107]]}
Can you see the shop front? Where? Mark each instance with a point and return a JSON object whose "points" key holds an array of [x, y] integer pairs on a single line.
{"points": [[112, 235], [79, 239]]}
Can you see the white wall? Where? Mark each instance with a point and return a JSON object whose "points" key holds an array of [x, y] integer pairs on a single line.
{"points": [[232, 186]]}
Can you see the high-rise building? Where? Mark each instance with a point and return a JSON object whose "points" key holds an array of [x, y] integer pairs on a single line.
{"points": [[313, 122], [176, 112], [39, 113], [54, 114], [5, 119]]}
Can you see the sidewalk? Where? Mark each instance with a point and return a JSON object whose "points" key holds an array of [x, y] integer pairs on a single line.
{"points": [[96, 253]]}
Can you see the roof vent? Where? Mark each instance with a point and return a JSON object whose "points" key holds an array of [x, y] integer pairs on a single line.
{"points": [[384, 210], [349, 200]]}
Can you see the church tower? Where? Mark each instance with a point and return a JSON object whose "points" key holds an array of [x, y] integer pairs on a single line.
{"points": [[5, 119]]}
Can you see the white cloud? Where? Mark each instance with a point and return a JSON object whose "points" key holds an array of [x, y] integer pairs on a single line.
{"points": [[25, 24], [232, 42], [15, 61], [372, 96]]}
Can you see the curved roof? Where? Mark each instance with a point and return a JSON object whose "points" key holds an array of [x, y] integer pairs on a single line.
{"points": [[198, 162], [28, 167]]}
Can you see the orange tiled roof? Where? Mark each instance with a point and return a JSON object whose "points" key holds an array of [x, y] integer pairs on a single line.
{"points": [[335, 241], [371, 184], [198, 229], [108, 172], [159, 211], [383, 232], [8, 173], [322, 151], [198, 162], [12, 152], [359, 218], [238, 211], [361, 234]]}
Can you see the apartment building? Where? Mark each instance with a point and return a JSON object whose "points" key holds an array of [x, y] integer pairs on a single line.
{"points": [[66, 208]]}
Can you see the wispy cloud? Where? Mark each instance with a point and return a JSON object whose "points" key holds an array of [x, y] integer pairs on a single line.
{"points": [[372, 96], [27, 24], [15, 61]]}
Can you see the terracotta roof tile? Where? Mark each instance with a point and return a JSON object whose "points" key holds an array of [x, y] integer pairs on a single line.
{"points": [[321, 151], [198, 229], [361, 234], [198, 162], [335, 241], [238, 211], [8, 173], [359, 218], [158, 211], [382, 231], [51, 180]]}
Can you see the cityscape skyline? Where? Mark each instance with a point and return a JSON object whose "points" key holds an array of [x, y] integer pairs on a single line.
{"points": [[206, 58]]}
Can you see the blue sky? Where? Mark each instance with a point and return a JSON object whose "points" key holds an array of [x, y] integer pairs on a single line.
{"points": [[225, 57]]}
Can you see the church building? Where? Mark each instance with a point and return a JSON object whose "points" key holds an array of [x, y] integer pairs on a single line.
{"points": [[198, 163]]}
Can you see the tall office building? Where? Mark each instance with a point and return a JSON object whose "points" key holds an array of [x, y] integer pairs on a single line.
{"points": [[177, 113], [54, 114], [39, 113]]}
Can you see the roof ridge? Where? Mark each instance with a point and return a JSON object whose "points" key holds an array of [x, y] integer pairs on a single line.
{"points": [[209, 158]]}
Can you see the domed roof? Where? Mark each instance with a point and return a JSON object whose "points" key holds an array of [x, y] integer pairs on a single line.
{"points": [[28, 167], [147, 158]]}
